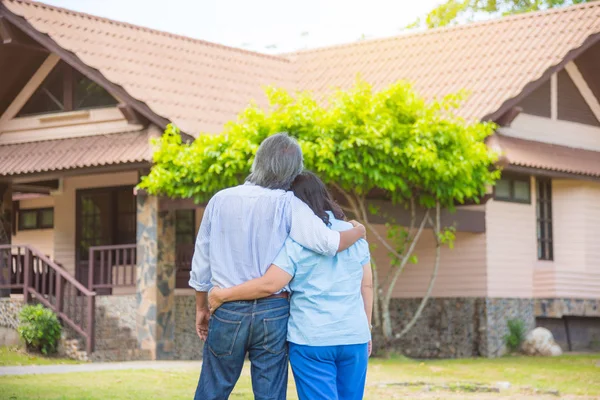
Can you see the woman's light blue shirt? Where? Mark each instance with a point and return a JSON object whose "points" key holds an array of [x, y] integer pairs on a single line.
{"points": [[326, 306]]}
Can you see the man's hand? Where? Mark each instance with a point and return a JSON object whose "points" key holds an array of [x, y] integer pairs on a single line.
{"points": [[202, 317], [357, 224], [215, 299], [370, 347]]}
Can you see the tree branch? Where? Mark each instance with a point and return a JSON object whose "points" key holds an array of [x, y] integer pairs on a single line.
{"points": [[436, 231], [404, 261]]}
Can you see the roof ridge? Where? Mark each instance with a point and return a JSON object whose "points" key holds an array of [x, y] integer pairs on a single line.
{"points": [[467, 26], [147, 29]]}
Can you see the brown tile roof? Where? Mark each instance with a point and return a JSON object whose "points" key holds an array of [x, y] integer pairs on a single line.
{"points": [[196, 84], [200, 85], [493, 60], [81, 152], [531, 154]]}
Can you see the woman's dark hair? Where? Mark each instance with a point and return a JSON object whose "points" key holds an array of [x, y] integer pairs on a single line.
{"points": [[309, 188]]}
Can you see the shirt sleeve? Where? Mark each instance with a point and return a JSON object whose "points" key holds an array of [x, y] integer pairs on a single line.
{"points": [[363, 251], [200, 275], [284, 261], [309, 230]]}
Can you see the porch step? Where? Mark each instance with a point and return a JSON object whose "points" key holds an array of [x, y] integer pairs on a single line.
{"points": [[121, 355]]}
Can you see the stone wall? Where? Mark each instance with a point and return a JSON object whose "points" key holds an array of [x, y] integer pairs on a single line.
{"points": [[557, 308], [456, 327], [9, 312], [499, 312], [188, 345], [124, 308]]}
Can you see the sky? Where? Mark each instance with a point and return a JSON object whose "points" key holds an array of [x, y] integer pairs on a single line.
{"points": [[270, 26]]}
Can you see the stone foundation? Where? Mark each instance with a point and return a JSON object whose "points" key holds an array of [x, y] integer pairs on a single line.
{"points": [[188, 345], [557, 308], [456, 327], [9, 312]]}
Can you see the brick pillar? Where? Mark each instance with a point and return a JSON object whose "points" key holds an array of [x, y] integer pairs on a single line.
{"points": [[5, 234], [155, 290]]}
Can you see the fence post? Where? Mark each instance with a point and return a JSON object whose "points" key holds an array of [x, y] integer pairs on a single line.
{"points": [[89, 347], [26, 274], [91, 270]]}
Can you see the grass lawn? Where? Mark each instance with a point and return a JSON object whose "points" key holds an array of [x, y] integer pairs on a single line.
{"points": [[574, 376], [11, 356]]}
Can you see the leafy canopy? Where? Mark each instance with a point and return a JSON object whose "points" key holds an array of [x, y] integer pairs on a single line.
{"points": [[391, 140], [453, 12]]}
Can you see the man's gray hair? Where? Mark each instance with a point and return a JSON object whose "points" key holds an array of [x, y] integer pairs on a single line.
{"points": [[277, 163]]}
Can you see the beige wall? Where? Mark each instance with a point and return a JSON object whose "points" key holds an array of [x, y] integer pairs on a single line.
{"points": [[511, 248], [41, 239], [560, 132], [513, 269], [462, 270], [64, 211], [575, 271]]}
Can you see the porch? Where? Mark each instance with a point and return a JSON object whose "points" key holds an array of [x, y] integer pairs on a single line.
{"points": [[78, 240]]}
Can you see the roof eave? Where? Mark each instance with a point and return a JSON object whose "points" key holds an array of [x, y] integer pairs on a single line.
{"points": [[533, 85]]}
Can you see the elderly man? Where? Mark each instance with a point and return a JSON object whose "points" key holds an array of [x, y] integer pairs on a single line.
{"points": [[242, 230]]}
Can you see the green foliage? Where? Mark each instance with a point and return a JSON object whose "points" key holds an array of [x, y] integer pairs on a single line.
{"points": [[39, 328], [452, 12], [516, 334], [392, 140]]}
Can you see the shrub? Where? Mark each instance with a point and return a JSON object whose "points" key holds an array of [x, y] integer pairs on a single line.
{"points": [[516, 335], [39, 328]]}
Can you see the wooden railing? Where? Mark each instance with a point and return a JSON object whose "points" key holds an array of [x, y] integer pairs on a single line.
{"points": [[43, 280], [111, 267]]}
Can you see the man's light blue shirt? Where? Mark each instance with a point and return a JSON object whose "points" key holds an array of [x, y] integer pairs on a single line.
{"points": [[326, 307], [244, 227]]}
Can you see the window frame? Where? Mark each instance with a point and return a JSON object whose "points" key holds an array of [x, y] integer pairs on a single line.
{"points": [[512, 178], [544, 221], [69, 78], [38, 215]]}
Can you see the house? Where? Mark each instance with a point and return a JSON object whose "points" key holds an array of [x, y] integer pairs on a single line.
{"points": [[80, 97]]}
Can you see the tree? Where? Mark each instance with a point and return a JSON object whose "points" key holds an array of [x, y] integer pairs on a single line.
{"points": [[453, 12], [415, 154]]}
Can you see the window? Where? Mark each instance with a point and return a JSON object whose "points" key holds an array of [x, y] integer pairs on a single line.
{"points": [[36, 218], [544, 219], [105, 216], [515, 188], [185, 227], [65, 89]]}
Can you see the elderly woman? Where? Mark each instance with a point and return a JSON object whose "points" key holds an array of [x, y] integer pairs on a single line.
{"points": [[330, 308]]}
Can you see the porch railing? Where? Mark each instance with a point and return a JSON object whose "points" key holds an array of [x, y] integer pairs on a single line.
{"points": [[112, 267], [42, 279]]}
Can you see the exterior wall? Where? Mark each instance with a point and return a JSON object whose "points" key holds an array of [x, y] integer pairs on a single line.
{"points": [[64, 125], [456, 327], [461, 272], [575, 271], [65, 208], [41, 239], [511, 249], [188, 345], [564, 133]]}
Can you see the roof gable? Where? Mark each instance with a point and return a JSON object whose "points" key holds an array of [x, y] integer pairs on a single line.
{"points": [[200, 85]]}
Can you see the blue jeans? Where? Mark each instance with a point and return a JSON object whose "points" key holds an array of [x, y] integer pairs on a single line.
{"points": [[330, 372], [257, 327]]}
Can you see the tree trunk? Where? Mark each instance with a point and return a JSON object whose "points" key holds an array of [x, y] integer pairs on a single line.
{"points": [[387, 322], [438, 246]]}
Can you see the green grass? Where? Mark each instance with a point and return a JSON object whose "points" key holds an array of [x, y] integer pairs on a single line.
{"points": [[573, 375], [11, 356]]}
